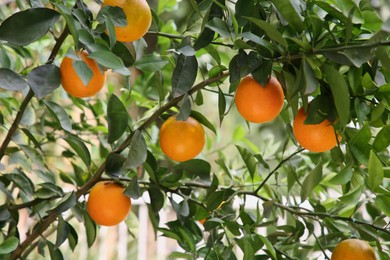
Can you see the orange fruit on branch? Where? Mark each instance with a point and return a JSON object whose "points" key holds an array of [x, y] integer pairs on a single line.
{"points": [[257, 103], [181, 140], [72, 82], [138, 17], [353, 249], [107, 205], [314, 137]]}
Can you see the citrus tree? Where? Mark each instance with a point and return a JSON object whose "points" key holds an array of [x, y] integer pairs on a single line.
{"points": [[264, 124]]}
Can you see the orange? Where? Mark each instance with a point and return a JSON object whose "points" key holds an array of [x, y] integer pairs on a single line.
{"points": [[138, 16], [107, 205], [259, 104], [202, 221], [314, 137], [72, 83], [353, 249], [181, 140]]}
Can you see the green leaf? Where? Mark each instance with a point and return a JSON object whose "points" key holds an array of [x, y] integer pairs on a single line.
{"points": [[62, 231], [269, 30], [90, 229], [133, 190], [67, 202], [221, 105], [382, 139], [11, 80], [114, 13], [150, 63], [83, 71], [289, 13], [182, 208], [344, 176], [117, 118], [309, 79], [383, 203], [203, 120], [375, 171], [137, 151], [219, 26], [9, 245], [359, 144], [73, 237], [249, 160], [269, 247], [184, 74], [311, 181], [114, 164], [156, 199], [124, 53], [59, 114], [80, 148], [27, 26], [340, 93], [196, 167], [44, 79], [54, 252], [352, 196], [107, 59], [22, 182], [185, 108]]}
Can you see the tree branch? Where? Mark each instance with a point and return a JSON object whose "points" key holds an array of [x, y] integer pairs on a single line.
{"points": [[30, 95], [277, 168], [97, 176]]}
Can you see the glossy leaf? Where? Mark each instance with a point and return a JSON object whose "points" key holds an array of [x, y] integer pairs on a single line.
{"points": [[8, 245], [184, 74], [375, 171], [249, 160], [288, 12], [59, 114], [269, 30], [382, 139], [344, 176], [44, 79], [311, 181], [34, 23], [114, 164], [10, 80], [80, 148], [340, 93], [54, 252], [117, 118], [107, 59], [90, 228], [67, 202], [62, 231], [383, 202], [150, 63], [196, 167], [137, 151], [133, 190]]}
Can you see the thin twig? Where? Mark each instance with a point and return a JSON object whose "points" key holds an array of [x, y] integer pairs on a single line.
{"points": [[277, 168]]}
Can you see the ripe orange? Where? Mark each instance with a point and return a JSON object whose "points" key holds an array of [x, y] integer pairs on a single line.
{"points": [[316, 138], [259, 104], [353, 249], [181, 140], [138, 16], [107, 205], [72, 83], [202, 221]]}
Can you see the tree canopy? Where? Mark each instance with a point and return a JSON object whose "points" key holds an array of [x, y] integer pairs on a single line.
{"points": [[331, 57]]}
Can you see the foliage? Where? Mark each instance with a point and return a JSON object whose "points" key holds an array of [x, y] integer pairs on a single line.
{"points": [[333, 54]]}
